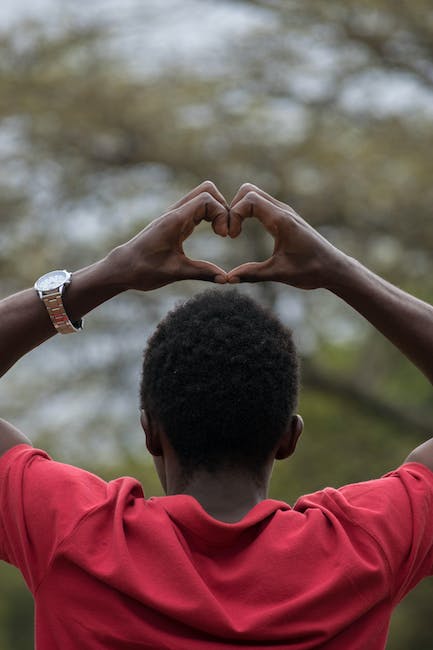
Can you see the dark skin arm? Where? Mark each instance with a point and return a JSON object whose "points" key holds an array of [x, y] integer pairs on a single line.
{"points": [[150, 260], [303, 258]]}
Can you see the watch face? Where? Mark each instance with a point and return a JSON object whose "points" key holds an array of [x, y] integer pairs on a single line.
{"points": [[52, 280]]}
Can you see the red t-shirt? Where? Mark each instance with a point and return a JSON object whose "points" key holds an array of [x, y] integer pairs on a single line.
{"points": [[109, 569]]}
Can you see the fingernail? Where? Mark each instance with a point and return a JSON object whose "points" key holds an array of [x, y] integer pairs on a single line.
{"points": [[220, 279], [234, 280]]}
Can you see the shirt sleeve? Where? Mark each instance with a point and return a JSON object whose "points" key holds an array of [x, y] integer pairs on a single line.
{"points": [[396, 513], [41, 502]]}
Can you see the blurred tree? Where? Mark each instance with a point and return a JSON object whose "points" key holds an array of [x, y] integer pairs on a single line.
{"points": [[327, 106]]}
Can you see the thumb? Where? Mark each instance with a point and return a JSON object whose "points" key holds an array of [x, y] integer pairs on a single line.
{"points": [[251, 272], [201, 270]]}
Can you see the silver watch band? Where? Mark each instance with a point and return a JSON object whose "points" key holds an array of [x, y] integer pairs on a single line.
{"points": [[50, 288], [56, 311]]}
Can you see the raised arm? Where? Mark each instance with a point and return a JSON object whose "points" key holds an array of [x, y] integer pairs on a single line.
{"points": [[150, 260], [304, 259]]}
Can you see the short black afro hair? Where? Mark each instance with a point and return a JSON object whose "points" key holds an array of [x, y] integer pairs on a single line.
{"points": [[220, 375]]}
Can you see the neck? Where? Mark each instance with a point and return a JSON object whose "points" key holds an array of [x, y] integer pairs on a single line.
{"points": [[227, 495]]}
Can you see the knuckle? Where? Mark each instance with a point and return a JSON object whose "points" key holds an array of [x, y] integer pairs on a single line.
{"points": [[208, 186], [206, 197], [248, 187], [252, 196]]}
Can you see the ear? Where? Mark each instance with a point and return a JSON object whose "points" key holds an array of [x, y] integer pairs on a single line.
{"points": [[151, 432], [290, 438]]}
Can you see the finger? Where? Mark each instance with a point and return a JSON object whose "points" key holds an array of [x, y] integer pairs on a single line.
{"points": [[251, 272], [254, 205], [249, 187], [220, 224], [206, 186], [201, 270], [203, 207]]}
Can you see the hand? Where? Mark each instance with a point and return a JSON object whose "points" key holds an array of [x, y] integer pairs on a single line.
{"points": [[301, 257], [155, 256]]}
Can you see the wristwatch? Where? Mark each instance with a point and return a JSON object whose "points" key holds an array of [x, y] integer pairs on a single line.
{"points": [[50, 288]]}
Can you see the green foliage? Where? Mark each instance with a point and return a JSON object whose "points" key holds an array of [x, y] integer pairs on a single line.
{"points": [[16, 611]]}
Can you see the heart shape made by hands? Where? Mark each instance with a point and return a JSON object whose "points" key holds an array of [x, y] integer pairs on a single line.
{"points": [[206, 203], [300, 254], [223, 250], [155, 257]]}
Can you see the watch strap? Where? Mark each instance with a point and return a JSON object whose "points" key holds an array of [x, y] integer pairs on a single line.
{"points": [[56, 311]]}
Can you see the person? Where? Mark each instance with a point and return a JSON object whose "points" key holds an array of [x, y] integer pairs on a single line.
{"points": [[214, 563]]}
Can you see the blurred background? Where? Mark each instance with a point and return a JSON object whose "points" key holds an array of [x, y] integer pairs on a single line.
{"points": [[111, 110]]}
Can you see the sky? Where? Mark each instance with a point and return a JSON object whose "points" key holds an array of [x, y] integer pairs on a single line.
{"points": [[11, 10], [183, 23]]}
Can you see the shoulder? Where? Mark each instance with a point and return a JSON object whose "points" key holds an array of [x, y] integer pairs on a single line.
{"points": [[392, 516], [42, 502], [17, 457], [44, 489], [34, 472], [411, 481]]}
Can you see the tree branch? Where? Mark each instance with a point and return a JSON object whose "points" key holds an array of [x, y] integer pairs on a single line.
{"points": [[406, 418]]}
